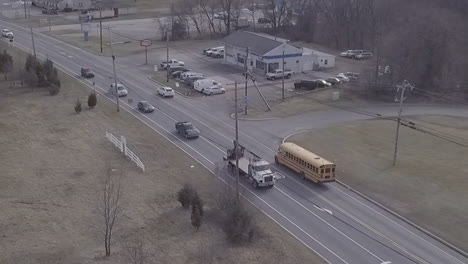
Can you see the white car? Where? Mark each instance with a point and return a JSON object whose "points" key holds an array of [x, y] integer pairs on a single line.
{"points": [[171, 63], [322, 82], [6, 32], [186, 75], [214, 90], [121, 90], [342, 77], [166, 92], [218, 54], [210, 52]]}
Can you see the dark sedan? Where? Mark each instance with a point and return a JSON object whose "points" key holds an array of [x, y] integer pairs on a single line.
{"points": [[87, 73], [145, 107], [306, 84]]}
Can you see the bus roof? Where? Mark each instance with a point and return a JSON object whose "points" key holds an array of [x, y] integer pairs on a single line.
{"points": [[304, 154]]}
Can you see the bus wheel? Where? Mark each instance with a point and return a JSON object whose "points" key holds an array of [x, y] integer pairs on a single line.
{"points": [[276, 160], [303, 176]]}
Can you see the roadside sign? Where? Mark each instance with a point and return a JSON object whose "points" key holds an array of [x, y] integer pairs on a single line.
{"points": [[155, 68], [177, 84], [146, 42]]}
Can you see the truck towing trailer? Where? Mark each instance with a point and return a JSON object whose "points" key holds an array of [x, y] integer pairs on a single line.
{"points": [[257, 170]]}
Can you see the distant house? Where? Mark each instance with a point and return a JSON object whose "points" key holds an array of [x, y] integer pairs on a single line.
{"points": [[266, 53], [62, 4]]}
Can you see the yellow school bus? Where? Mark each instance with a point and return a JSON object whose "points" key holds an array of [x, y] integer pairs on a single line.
{"points": [[306, 163]]}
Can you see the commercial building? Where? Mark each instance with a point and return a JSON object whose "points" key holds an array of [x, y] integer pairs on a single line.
{"points": [[266, 53]]}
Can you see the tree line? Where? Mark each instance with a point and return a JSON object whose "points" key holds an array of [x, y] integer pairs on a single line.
{"points": [[423, 41]]}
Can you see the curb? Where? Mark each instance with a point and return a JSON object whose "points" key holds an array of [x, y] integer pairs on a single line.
{"points": [[254, 119], [395, 214], [386, 209], [295, 133]]}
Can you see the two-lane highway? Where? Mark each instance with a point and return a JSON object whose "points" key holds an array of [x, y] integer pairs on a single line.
{"points": [[335, 223]]}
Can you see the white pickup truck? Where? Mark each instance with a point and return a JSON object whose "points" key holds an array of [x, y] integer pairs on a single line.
{"points": [[257, 170], [278, 74], [171, 63]]}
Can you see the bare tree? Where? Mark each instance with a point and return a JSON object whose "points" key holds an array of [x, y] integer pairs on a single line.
{"points": [[111, 205], [208, 8], [136, 252]]}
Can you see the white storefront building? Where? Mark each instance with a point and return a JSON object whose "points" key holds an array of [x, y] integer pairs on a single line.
{"points": [[266, 53]]}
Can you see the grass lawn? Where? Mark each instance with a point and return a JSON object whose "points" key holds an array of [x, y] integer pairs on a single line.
{"points": [[53, 162], [429, 184], [294, 105]]}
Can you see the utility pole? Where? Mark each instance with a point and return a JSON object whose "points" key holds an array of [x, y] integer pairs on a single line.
{"points": [[246, 78], [115, 73], [25, 12], [282, 77], [400, 88], [32, 34], [167, 55], [236, 147], [100, 24]]}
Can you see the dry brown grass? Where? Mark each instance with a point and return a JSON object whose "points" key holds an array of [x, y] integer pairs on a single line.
{"points": [[52, 161], [295, 105], [429, 183]]}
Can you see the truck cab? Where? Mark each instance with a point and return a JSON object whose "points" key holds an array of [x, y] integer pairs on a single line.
{"points": [[255, 169], [260, 172]]}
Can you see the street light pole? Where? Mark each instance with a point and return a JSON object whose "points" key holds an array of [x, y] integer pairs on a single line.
{"points": [[246, 78], [282, 79], [236, 147], [100, 24], [167, 55], [115, 73], [32, 34]]}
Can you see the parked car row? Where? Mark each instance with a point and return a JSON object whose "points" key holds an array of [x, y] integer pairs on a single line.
{"points": [[321, 83], [216, 52], [357, 54], [195, 80]]}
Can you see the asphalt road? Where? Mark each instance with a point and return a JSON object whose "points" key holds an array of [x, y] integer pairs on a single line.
{"points": [[329, 219]]}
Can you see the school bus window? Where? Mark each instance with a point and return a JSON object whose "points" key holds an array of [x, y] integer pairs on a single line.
{"points": [[333, 169], [321, 170], [327, 170]]}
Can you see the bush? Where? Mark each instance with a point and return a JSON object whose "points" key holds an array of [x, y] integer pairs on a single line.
{"points": [[197, 203], [238, 225], [185, 195], [196, 217], [54, 89], [92, 100], [78, 106]]}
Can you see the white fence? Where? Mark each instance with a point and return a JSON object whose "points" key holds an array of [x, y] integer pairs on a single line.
{"points": [[122, 146]]}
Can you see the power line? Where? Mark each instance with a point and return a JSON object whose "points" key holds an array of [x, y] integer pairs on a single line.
{"points": [[446, 136]]}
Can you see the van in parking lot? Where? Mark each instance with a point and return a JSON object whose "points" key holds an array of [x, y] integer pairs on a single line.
{"points": [[200, 85], [188, 74]]}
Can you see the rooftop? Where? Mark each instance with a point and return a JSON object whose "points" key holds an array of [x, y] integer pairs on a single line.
{"points": [[257, 43]]}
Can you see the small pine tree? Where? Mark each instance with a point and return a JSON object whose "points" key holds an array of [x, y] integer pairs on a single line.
{"points": [[184, 195], [196, 217], [92, 100], [78, 106], [48, 69], [30, 63], [197, 202], [6, 63], [41, 78]]}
